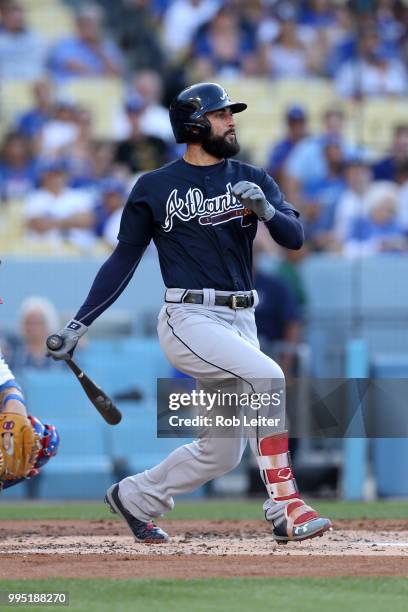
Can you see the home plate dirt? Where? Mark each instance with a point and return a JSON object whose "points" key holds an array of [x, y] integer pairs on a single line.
{"points": [[39, 549]]}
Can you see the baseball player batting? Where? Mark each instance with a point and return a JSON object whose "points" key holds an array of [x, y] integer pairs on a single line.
{"points": [[202, 212]]}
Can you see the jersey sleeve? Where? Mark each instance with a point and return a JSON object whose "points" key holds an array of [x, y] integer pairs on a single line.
{"points": [[111, 280], [136, 224]]}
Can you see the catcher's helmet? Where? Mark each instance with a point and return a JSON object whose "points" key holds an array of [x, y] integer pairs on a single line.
{"points": [[187, 110]]}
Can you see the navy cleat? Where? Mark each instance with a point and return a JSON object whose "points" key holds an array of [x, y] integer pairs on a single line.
{"points": [[146, 532], [294, 521]]}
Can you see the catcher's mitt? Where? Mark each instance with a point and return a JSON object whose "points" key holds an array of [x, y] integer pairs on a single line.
{"points": [[19, 447]]}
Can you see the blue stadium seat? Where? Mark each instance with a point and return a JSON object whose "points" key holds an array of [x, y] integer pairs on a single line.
{"points": [[119, 365], [390, 455], [58, 395], [83, 467], [390, 463], [17, 492], [135, 441]]}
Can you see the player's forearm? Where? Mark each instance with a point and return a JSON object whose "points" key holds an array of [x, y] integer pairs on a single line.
{"points": [[111, 280], [286, 230], [12, 400]]}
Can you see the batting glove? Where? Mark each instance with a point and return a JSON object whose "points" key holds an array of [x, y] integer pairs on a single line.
{"points": [[70, 335], [251, 196]]}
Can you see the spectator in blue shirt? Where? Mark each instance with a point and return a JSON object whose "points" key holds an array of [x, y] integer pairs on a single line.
{"points": [[277, 316], [385, 17], [296, 121], [320, 198], [101, 165], [372, 72], [318, 14], [22, 50], [380, 229], [17, 168], [112, 194], [386, 169], [88, 53], [32, 121], [224, 47], [307, 160]]}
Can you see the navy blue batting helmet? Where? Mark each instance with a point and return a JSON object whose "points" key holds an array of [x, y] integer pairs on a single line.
{"points": [[187, 110]]}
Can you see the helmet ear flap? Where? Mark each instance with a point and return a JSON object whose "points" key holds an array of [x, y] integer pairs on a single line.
{"points": [[197, 130]]}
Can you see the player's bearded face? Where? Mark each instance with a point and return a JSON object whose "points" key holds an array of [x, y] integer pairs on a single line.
{"points": [[221, 146]]}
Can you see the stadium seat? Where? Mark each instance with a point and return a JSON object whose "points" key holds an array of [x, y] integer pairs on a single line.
{"points": [[40, 4], [83, 466], [55, 396], [11, 225], [122, 364], [135, 440], [390, 365], [267, 102], [50, 18], [18, 492], [101, 96], [390, 461], [16, 97], [334, 273], [116, 365], [378, 117], [390, 455]]}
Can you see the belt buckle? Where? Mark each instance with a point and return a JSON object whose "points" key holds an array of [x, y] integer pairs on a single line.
{"points": [[234, 304]]}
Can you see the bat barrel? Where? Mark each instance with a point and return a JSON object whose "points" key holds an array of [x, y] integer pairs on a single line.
{"points": [[97, 396]]}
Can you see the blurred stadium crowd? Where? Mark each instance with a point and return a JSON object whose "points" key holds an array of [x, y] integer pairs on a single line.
{"points": [[85, 90]]}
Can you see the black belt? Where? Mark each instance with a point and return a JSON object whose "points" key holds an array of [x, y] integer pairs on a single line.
{"points": [[236, 301]]}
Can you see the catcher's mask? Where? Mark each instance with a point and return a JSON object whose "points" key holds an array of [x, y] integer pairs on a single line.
{"points": [[187, 110]]}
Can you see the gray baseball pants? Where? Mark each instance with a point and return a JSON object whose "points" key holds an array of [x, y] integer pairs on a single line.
{"points": [[206, 342]]}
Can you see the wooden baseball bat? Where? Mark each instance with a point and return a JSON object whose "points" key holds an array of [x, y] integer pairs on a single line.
{"points": [[98, 397]]}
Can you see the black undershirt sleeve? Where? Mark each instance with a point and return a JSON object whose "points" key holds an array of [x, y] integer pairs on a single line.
{"points": [[286, 229], [113, 277]]}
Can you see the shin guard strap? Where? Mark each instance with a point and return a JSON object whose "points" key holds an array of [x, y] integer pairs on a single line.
{"points": [[277, 490]]}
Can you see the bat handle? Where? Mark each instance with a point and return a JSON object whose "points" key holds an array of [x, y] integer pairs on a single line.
{"points": [[73, 366]]}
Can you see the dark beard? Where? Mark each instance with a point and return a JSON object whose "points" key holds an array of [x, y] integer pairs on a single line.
{"points": [[219, 147]]}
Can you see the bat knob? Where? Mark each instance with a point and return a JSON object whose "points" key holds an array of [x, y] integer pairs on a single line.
{"points": [[54, 342]]}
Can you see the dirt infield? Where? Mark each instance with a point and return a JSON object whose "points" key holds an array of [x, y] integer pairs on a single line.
{"points": [[199, 549]]}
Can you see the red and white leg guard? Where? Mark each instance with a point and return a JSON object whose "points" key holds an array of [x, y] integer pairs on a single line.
{"points": [[290, 517]]}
